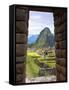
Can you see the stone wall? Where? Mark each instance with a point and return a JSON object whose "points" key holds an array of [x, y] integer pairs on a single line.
{"points": [[21, 43], [60, 22]]}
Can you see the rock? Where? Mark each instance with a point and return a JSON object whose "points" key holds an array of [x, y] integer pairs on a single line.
{"points": [[42, 72]]}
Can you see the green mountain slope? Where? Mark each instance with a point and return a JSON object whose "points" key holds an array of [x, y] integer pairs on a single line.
{"points": [[45, 39]]}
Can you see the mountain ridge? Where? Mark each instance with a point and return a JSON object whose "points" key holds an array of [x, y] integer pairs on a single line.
{"points": [[45, 38]]}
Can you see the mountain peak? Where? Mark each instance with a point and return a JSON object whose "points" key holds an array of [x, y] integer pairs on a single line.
{"points": [[45, 39], [46, 29]]}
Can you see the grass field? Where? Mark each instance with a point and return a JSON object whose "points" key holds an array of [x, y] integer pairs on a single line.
{"points": [[32, 69]]}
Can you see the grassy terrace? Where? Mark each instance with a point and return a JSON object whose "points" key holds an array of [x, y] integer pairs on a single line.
{"points": [[32, 69]]}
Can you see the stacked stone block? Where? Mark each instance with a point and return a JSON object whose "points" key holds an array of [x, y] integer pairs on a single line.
{"points": [[21, 43], [60, 22]]}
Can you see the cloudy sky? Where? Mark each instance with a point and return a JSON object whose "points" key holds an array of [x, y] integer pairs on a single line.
{"points": [[40, 20]]}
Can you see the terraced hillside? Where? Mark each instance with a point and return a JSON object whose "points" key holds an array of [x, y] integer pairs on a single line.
{"points": [[39, 65]]}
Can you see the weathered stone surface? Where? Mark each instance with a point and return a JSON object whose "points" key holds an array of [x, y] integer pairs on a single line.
{"points": [[59, 21], [64, 35], [57, 45], [20, 59], [58, 37], [58, 53], [64, 44], [20, 68], [59, 13], [20, 73], [61, 44], [61, 61], [61, 69], [61, 28], [21, 27], [19, 77], [64, 53], [21, 14], [62, 77], [21, 49], [21, 38]]}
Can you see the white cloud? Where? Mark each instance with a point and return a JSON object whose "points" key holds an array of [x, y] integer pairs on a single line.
{"points": [[40, 20], [35, 17]]}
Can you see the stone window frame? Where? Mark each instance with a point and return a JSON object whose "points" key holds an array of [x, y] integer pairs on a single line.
{"points": [[12, 57]]}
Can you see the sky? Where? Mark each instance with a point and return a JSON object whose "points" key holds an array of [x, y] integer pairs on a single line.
{"points": [[40, 20]]}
